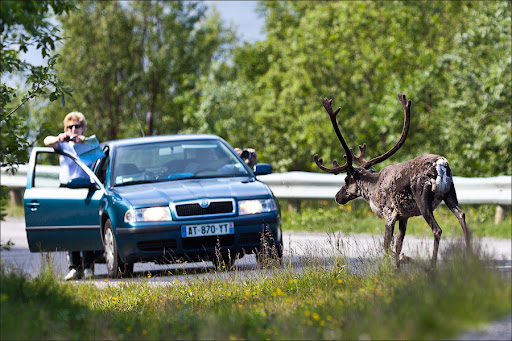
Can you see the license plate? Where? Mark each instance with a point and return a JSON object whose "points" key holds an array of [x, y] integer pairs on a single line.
{"points": [[212, 229]]}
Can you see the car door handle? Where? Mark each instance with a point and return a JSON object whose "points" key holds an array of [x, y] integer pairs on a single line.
{"points": [[34, 205]]}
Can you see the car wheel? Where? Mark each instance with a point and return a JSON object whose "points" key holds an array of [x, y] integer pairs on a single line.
{"points": [[115, 266]]}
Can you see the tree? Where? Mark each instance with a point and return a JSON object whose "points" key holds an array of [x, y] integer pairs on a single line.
{"points": [[362, 54], [477, 78], [136, 64], [25, 24]]}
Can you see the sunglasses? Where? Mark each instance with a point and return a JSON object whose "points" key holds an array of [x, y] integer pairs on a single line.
{"points": [[77, 126]]}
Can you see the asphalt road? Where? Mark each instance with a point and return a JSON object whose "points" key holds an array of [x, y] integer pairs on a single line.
{"points": [[299, 249]]}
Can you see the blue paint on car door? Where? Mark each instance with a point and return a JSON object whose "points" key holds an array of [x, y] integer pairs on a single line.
{"points": [[60, 218]]}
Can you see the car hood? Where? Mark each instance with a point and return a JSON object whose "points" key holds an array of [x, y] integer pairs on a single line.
{"points": [[162, 193]]}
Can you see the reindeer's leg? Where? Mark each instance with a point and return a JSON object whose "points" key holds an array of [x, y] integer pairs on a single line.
{"points": [[425, 206], [453, 204], [402, 227], [436, 230], [388, 235]]}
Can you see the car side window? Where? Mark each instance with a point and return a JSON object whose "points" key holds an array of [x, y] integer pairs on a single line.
{"points": [[46, 171]]}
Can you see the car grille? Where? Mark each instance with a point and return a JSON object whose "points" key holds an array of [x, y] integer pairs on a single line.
{"points": [[207, 242], [157, 245], [194, 209]]}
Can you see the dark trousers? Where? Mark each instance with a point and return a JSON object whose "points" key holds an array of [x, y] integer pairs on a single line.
{"points": [[75, 259]]}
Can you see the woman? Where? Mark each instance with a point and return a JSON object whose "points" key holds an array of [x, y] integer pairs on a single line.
{"points": [[74, 129]]}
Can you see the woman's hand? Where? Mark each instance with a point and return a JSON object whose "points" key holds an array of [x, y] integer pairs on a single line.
{"points": [[63, 137], [79, 139]]}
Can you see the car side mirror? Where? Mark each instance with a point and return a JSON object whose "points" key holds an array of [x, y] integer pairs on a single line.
{"points": [[262, 169], [82, 183]]}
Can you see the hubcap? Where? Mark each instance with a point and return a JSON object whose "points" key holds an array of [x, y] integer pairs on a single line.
{"points": [[109, 249]]}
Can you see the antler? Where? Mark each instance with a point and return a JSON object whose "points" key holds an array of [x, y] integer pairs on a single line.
{"points": [[359, 159], [407, 120], [348, 152]]}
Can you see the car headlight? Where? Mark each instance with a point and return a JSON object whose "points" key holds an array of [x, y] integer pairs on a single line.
{"points": [[256, 206], [147, 214]]}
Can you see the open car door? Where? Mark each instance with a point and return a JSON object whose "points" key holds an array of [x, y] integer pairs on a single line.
{"points": [[61, 217]]}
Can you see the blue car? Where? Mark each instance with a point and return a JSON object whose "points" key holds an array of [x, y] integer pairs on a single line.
{"points": [[156, 199]]}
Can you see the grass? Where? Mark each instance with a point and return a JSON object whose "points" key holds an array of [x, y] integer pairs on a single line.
{"points": [[317, 303], [357, 217], [15, 211]]}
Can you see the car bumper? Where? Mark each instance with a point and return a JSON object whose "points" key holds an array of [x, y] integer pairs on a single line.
{"points": [[164, 243]]}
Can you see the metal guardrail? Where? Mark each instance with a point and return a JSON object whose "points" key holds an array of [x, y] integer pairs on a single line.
{"points": [[307, 185]]}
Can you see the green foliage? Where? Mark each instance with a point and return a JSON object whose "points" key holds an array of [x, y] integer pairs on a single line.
{"points": [[14, 150], [477, 81], [451, 58], [24, 24], [135, 64], [42, 308], [158, 68], [315, 304], [169, 67], [14, 134], [357, 217]]}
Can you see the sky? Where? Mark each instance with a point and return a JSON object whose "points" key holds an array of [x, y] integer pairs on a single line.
{"points": [[240, 14], [243, 16]]}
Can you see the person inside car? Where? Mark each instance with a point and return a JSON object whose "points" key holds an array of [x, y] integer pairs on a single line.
{"points": [[249, 155], [74, 129]]}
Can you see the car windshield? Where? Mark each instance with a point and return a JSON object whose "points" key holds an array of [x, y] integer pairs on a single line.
{"points": [[176, 160]]}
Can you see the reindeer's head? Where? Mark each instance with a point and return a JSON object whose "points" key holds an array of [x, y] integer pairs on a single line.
{"points": [[351, 189]]}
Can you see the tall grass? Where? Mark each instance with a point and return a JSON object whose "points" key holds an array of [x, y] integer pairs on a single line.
{"points": [[316, 302]]}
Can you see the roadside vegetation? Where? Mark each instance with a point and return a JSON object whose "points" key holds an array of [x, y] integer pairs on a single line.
{"points": [[357, 217], [317, 303]]}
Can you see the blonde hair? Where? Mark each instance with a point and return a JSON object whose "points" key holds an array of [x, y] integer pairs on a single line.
{"points": [[75, 116]]}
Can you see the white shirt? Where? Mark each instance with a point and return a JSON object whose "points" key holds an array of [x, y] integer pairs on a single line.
{"points": [[69, 169]]}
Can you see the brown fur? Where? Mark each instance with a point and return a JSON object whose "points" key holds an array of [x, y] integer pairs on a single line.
{"points": [[400, 191]]}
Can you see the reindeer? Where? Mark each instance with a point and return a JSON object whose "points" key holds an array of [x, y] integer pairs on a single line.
{"points": [[399, 191]]}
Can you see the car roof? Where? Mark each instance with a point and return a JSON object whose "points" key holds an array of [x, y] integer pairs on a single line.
{"points": [[159, 138]]}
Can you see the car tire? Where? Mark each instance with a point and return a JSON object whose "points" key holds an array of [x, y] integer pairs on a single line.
{"points": [[115, 266]]}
